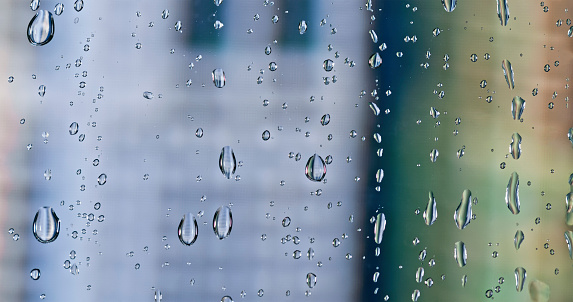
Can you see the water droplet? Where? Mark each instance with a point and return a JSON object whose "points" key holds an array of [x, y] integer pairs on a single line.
{"points": [[375, 60], [177, 26], [148, 95], [41, 90], [59, 9], [460, 253], [199, 132], [508, 73], [431, 213], [225, 298], [517, 107], [483, 84], [273, 66], [570, 135], [218, 24], [218, 2], [449, 5], [379, 175], [311, 280], [102, 179], [227, 162], [434, 113], [512, 194], [218, 76], [315, 168], [41, 28], [503, 12], [79, 5], [46, 226], [515, 146], [463, 213], [328, 65], [165, 14], [34, 5], [434, 155], [520, 275], [373, 36], [379, 227], [188, 229], [223, 222], [266, 135], [286, 222], [74, 127], [518, 239], [419, 274], [416, 293], [157, 296], [35, 274], [302, 27]]}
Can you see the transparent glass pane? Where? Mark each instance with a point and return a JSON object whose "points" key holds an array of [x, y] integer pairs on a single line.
{"points": [[286, 151]]}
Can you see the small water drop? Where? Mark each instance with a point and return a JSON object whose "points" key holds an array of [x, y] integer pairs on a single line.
{"points": [[311, 280], [518, 239], [508, 73], [219, 78], [515, 146], [59, 9], [315, 168], [199, 132], [375, 60], [379, 227], [302, 27], [449, 5], [328, 65], [74, 127], [35, 274], [431, 213], [102, 179], [34, 5], [517, 107], [79, 5]]}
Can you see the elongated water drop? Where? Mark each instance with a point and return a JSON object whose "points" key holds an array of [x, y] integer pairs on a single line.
{"points": [[46, 226], [449, 5], [434, 155], [219, 78], [431, 213], [569, 241], [223, 222], [102, 179], [512, 194], [463, 214], [518, 239], [325, 119], [315, 169], [520, 275], [460, 253], [74, 127], [379, 227], [311, 280], [59, 9], [302, 27], [79, 5], [373, 35], [503, 12], [227, 162], [570, 135], [419, 274], [508, 73], [517, 107], [34, 5], [374, 108], [569, 208], [379, 175], [515, 146], [41, 28], [188, 230], [375, 60]]}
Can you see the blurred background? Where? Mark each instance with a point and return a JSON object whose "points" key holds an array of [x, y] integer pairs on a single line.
{"points": [[137, 78]]}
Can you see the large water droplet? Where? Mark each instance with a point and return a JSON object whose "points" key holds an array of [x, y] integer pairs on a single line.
{"points": [[310, 280], [515, 146], [518, 239], [375, 60], [463, 214], [227, 162], [188, 230], [219, 79], [74, 127], [46, 226], [508, 73], [379, 175], [517, 107], [503, 12], [449, 5], [539, 291], [419, 274], [431, 213], [315, 169], [520, 275], [512, 194], [41, 28], [379, 227], [415, 295], [302, 27], [569, 241], [79, 5], [223, 222], [460, 253]]}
